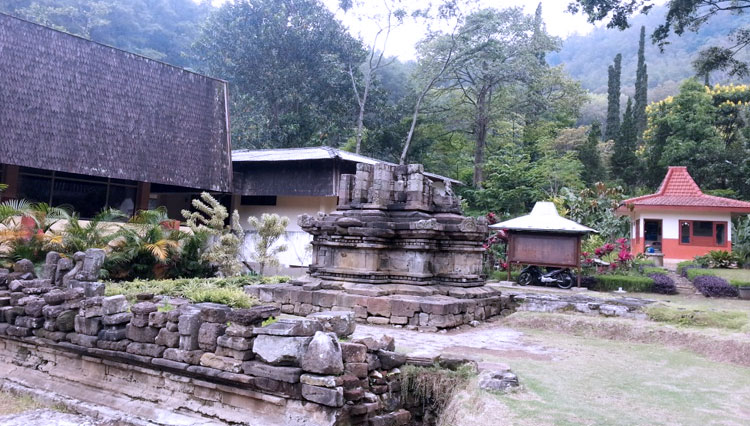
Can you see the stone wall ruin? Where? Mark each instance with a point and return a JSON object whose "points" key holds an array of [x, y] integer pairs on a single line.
{"points": [[396, 251]]}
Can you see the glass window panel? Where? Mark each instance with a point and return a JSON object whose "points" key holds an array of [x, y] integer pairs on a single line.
{"points": [[122, 198], [685, 232], [720, 234], [34, 188], [81, 177], [86, 198], [703, 229], [31, 170]]}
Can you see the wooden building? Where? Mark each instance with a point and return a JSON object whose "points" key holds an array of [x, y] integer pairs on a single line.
{"points": [[295, 181], [679, 221], [91, 126]]}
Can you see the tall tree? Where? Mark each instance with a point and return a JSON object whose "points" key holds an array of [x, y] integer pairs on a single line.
{"points": [[287, 62], [681, 15], [588, 154], [612, 129], [496, 50], [624, 161], [641, 87]]}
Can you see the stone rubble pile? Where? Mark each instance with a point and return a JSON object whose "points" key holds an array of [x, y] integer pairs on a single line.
{"points": [[300, 359]]}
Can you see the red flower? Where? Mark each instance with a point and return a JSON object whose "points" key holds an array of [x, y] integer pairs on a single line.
{"points": [[622, 241]]}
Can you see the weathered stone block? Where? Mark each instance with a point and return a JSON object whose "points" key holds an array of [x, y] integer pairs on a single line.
{"points": [[390, 360], [236, 343], [237, 330], [54, 297], [145, 349], [221, 363], [157, 319], [29, 322], [52, 311], [213, 312], [322, 381], [139, 320], [340, 323], [239, 355], [323, 355], [188, 357], [290, 327], [82, 340], [92, 289], [208, 335], [353, 352], [324, 396], [280, 350], [55, 336], [167, 338], [188, 342], [113, 333], [143, 308], [87, 326], [283, 374], [117, 319], [66, 320], [189, 323], [142, 334], [357, 369], [114, 305]]}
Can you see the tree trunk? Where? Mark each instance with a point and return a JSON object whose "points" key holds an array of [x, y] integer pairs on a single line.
{"points": [[480, 134], [361, 117], [409, 136]]}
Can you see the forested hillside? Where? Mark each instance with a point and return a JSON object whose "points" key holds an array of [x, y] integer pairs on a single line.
{"points": [[586, 57]]}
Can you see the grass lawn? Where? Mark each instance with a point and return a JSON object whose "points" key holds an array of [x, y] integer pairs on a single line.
{"points": [[595, 381], [733, 274]]}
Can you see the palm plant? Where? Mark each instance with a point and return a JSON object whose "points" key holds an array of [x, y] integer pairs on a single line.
{"points": [[19, 239], [741, 240], [96, 233], [142, 251]]}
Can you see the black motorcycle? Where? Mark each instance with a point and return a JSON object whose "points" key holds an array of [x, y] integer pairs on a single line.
{"points": [[533, 275]]}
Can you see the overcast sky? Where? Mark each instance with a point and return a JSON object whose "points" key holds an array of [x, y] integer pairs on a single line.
{"points": [[559, 22]]}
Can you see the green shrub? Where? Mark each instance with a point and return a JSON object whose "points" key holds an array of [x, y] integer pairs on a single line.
{"points": [[697, 272], [654, 270], [629, 283], [227, 291], [503, 275], [686, 264], [433, 387]]}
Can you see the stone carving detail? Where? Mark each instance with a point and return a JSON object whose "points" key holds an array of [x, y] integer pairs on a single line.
{"points": [[394, 224]]}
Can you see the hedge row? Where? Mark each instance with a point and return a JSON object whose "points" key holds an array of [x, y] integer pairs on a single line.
{"points": [[628, 283]]}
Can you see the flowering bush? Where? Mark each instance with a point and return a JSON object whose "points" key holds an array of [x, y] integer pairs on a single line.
{"points": [[713, 286], [663, 284], [610, 257], [495, 244]]}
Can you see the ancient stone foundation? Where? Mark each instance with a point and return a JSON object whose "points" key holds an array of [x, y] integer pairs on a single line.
{"points": [[202, 359], [396, 251]]}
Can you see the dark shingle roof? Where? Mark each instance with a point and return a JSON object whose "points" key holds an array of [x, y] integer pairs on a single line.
{"points": [[72, 105]]}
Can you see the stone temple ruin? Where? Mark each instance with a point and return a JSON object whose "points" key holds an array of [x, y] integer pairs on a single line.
{"points": [[396, 251]]}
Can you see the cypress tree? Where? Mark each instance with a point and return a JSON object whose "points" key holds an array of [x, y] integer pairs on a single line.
{"points": [[613, 99], [624, 162], [641, 88], [588, 154]]}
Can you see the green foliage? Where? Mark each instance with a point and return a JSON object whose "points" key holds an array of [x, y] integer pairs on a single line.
{"points": [[227, 291], [268, 230], [641, 88], [161, 30], [741, 240], [223, 242], [624, 163], [731, 320], [288, 62], [96, 233], [631, 283], [588, 153], [686, 264], [268, 321], [612, 128], [717, 259], [698, 272], [654, 270], [595, 208]]}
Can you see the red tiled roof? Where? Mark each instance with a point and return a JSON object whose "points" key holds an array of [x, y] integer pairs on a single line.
{"points": [[678, 189]]}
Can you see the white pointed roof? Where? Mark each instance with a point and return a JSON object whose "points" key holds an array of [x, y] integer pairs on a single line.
{"points": [[543, 218]]}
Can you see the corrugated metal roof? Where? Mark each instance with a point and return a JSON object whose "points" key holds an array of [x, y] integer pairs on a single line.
{"points": [[543, 218], [313, 153]]}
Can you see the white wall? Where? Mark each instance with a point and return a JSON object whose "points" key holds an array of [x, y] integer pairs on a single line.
{"points": [[671, 221], [298, 241]]}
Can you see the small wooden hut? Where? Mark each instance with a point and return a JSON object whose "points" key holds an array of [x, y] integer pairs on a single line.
{"points": [[544, 238]]}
